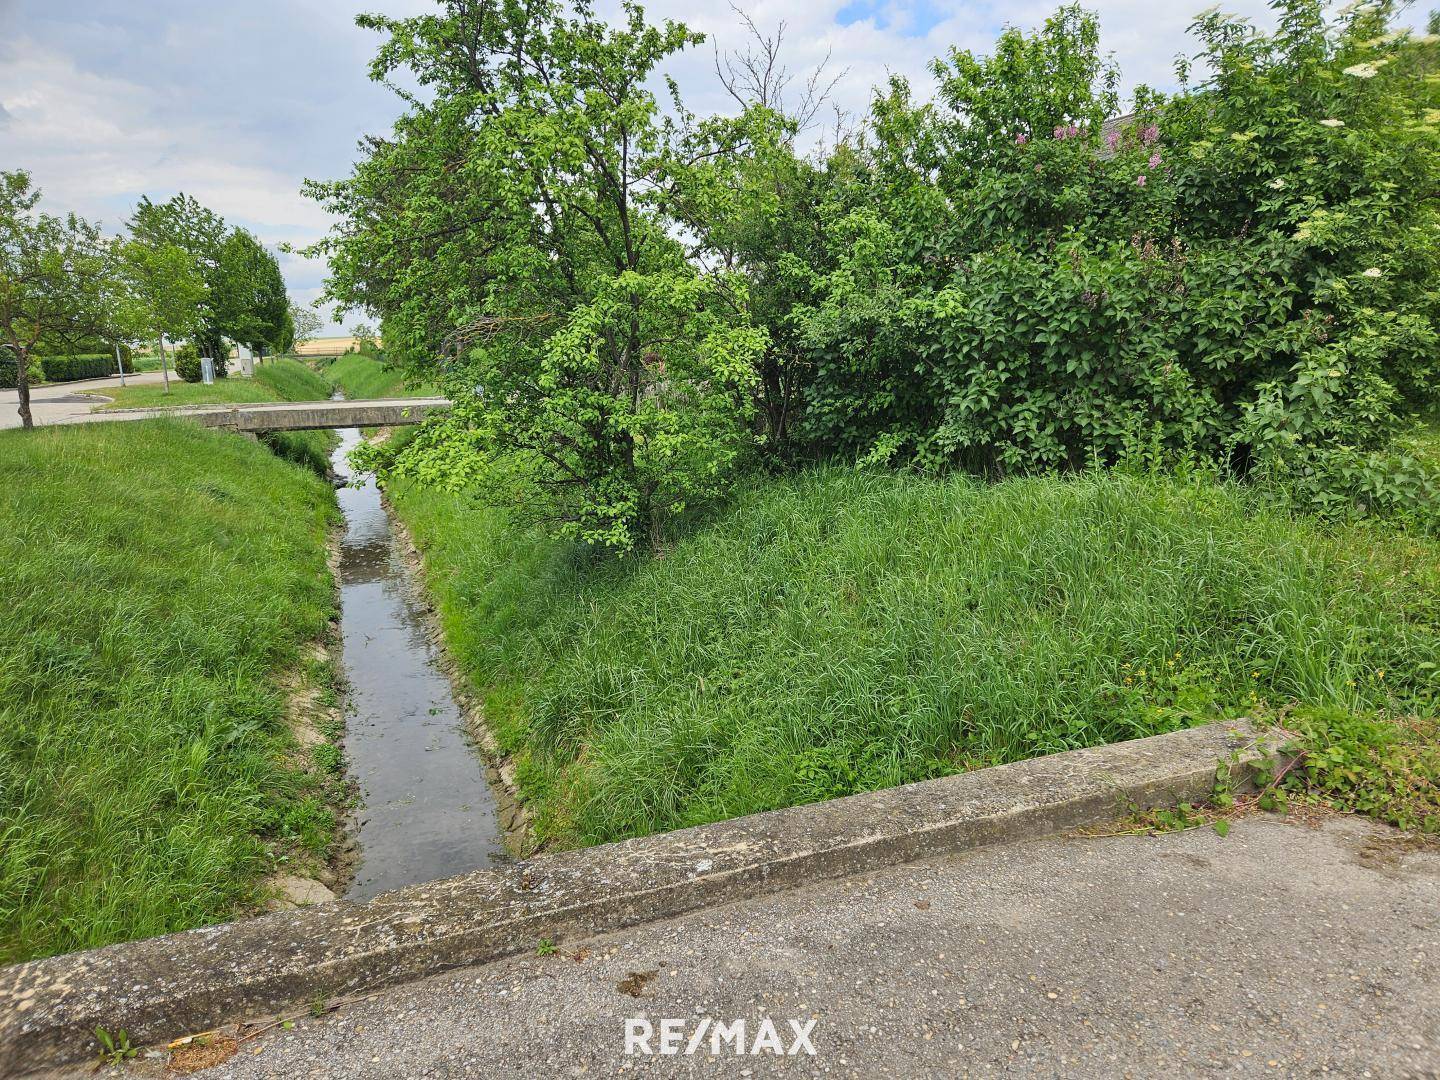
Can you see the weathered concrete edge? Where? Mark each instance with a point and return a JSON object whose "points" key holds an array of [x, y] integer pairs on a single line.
{"points": [[254, 416], [193, 981]]}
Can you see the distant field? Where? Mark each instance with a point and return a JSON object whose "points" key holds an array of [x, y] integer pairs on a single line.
{"points": [[329, 346]]}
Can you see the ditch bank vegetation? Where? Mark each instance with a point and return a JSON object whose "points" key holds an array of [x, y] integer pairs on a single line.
{"points": [[167, 600], [840, 631]]}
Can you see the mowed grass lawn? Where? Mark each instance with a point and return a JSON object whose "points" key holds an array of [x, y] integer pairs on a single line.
{"points": [[275, 380], [158, 581], [840, 631]]}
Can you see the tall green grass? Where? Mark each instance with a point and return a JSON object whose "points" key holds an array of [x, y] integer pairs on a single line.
{"points": [[362, 375], [841, 631], [157, 579]]}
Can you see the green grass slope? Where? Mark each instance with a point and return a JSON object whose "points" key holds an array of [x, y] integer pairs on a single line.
{"points": [[275, 380], [361, 375], [158, 579], [841, 631]]}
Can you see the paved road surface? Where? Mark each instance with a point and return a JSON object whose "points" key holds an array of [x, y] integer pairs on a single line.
{"points": [[1280, 950], [65, 401]]}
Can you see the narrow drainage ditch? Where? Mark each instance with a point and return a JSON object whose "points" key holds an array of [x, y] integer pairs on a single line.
{"points": [[427, 809]]}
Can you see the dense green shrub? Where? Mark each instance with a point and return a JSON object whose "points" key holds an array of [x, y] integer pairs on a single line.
{"points": [[1247, 270], [1000, 276], [187, 364], [8, 376]]}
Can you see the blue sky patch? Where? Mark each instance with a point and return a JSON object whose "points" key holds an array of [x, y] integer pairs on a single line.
{"points": [[910, 18]]}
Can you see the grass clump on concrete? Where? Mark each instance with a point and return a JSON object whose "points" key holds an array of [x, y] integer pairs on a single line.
{"points": [[158, 581], [841, 631]]}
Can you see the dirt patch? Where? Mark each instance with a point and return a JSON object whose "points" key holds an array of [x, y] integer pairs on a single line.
{"points": [[634, 983], [1391, 854]]}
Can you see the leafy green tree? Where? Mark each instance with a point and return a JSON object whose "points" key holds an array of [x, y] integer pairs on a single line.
{"points": [[181, 221], [169, 292], [364, 336], [57, 279], [518, 225], [247, 298], [1245, 271]]}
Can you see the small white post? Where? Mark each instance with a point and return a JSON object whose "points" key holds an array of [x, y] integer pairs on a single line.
{"points": [[120, 364]]}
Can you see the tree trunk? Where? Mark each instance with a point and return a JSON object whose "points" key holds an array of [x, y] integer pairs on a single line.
{"points": [[22, 386], [164, 368]]}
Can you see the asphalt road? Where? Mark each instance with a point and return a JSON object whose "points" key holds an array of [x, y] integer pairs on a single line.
{"points": [[1280, 950], [59, 402]]}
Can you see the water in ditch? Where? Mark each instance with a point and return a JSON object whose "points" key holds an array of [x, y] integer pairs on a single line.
{"points": [[427, 811]]}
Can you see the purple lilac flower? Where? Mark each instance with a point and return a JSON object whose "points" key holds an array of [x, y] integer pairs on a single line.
{"points": [[1112, 140], [1140, 180], [1151, 135], [1021, 139], [1155, 160]]}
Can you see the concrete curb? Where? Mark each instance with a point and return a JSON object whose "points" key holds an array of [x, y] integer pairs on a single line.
{"points": [[193, 981]]}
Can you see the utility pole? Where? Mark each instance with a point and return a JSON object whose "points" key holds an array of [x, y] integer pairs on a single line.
{"points": [[119, 364]]}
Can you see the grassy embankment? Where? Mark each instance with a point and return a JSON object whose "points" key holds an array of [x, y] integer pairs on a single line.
{"points": [[840, 631], [361, 375], [275, 380], [160, 583]]}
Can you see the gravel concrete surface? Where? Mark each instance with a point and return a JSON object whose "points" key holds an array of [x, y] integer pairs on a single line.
{"points": [[1281, 950]]}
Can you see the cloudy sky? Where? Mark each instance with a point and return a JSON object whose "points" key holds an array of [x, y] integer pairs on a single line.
{"points": [[236, 103]]}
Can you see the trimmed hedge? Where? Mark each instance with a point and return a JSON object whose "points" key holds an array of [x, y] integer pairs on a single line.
{"points": [[8, 381], [81, 366]]}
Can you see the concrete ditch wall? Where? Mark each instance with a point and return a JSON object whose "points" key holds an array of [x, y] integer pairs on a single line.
{"points": [[181, 983]]}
